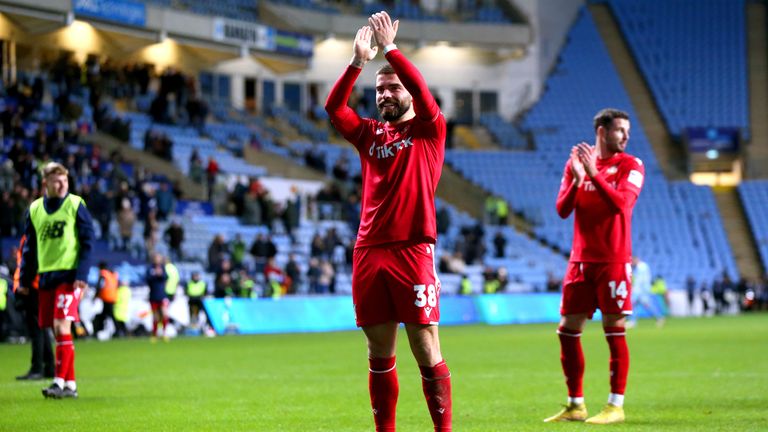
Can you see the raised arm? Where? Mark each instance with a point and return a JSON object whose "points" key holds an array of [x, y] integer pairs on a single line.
{"points": [[573, 177], [344, 118], [384, 30]]}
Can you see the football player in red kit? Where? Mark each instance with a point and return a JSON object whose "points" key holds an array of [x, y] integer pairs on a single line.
{"points": [[394, 278], [600, 185]]}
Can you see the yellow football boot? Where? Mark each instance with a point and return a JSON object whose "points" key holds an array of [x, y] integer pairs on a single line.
{"points": [[571, 412], [610, 414]]}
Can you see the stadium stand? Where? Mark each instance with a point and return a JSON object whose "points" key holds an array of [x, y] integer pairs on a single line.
{"points": [[505, 133], [698, 76]]}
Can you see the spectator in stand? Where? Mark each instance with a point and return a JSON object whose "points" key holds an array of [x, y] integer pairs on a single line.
{"points": [[196, 171], [317, 246], [237, 197], [211, 171], [291, 212], [252, 214], [197, 110], [326, 282], [331, 240], [174, 236], [237, 249], [151, 227], [224, 286], [165, 201], [350, 211], [126, 218], [341, 169], [315, 158], [313, 275], [499, 243], [101, 208], [262, 249], [293, 271], [277, 281], [217, 253]]}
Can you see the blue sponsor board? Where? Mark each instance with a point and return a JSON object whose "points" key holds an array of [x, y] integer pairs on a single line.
{"points": [[284, 315], [319, 314], [122, 11], [518, 308]]}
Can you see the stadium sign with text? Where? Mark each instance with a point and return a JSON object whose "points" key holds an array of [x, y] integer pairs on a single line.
{"points": [[121, 11], [262, 37], [244, 33]]}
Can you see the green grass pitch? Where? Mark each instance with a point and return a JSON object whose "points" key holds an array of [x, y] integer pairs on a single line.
{"points": [[694, 374]]}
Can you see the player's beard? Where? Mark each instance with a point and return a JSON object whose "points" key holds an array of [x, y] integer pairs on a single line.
{"points": [[395, 112]]}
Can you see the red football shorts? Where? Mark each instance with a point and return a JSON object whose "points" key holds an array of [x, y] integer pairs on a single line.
{"points": [[395, 283], [158, 305], [59, 303], [588, 286]]}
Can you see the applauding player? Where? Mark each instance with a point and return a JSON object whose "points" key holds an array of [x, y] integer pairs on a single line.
{"points": [[393, 277], [600, 185]]}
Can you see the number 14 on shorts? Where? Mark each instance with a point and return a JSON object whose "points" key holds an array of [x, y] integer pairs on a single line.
{"points": [[618, 290]]}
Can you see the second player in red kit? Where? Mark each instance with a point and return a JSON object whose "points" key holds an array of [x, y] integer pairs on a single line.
{"points": [[600, 186]]}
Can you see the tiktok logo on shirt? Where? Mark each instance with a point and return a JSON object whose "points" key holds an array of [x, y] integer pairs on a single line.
{"points": [[388, 150]]}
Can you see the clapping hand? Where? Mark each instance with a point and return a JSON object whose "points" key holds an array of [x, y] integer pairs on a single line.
{"points": [[588, 158], [384, 30], [577, 168], [362, 50]]}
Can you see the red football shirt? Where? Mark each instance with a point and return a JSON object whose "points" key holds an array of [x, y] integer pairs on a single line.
{"points": [[603, 206], [400, 164]]}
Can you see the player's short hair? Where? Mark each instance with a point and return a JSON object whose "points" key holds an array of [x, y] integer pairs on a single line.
{"points": [[54, 168], [387, 69], [606, 116]]}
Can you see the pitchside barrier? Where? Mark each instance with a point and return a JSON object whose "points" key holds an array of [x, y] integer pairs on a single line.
{"points": [[333, 313], [319, 314]]}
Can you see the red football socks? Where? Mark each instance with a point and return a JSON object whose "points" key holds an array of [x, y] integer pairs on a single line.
{"points": [[384, 389], [572, 359], [617, 342], [436, 382], [65, 358]]}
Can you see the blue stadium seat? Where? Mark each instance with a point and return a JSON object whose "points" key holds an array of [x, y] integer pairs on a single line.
{"points": [[698, 76]]}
